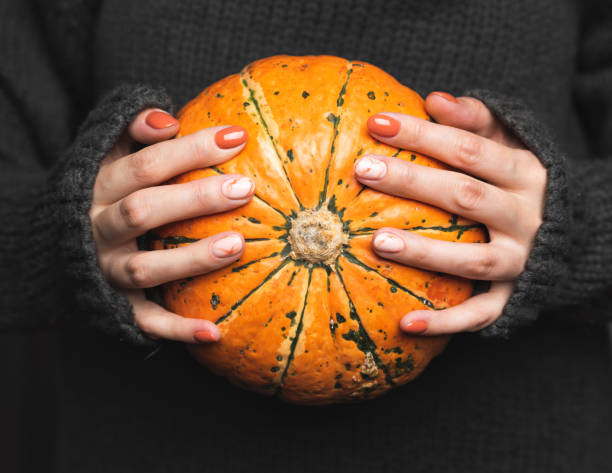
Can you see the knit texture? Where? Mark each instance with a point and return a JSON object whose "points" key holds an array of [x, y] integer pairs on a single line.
{"points": [[538, 401], [547, 265], [48, 239]]}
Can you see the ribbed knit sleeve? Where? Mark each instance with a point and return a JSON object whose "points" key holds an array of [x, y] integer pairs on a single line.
{"points": [[47, 252], [48, 266], [571, 260]]}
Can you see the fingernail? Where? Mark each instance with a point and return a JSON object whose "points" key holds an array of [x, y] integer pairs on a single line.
{"points": [[388, 242], [445, 96], [383, 125], [205, 336], [414, 326], [370, 168], [237, 187], [230, 137], [160, 120], [227, 246]]}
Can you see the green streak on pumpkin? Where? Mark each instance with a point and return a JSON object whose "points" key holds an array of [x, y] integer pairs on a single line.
{"points": [[335, 119], [252, 291], [394, 284], [267, 130], [360, 336], [237, 269], [298, 332], [451, 228], [173, 240]]}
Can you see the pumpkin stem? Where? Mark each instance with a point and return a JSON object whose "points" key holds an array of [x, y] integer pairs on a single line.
{"points": [[317, 236]]}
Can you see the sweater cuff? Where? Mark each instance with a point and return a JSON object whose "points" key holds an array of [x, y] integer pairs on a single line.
{"points": [[73, 181], [547, 264]]}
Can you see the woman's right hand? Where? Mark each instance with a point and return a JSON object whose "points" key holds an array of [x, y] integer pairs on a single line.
{"points": [[128, 200]]}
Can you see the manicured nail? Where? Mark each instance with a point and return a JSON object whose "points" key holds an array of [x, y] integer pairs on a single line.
{"points": [[415, 326], [205, 336], [388, 242], [160, 120], [370, 168], [445, 96], [227, 246], [230, 137], [237, 187], [383, 125]]}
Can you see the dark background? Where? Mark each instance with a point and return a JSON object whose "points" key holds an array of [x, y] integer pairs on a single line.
{"points": [[28, 376]]}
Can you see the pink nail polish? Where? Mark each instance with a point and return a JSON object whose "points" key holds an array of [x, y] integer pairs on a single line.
{"points": [[370, 168], [237, 187], [229, 245], [388, 243]]}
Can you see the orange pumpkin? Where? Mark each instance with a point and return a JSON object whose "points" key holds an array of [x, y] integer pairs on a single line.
{"points": [[309, 312]]}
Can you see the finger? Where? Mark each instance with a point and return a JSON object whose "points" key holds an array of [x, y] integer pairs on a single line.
{"points": [[461, 149], [159, 162], [473, 314], [142, 269], [150, 126], [453, 191], [485, 261], [157, 322], [466, 113], [149, 208], [469, 114]]}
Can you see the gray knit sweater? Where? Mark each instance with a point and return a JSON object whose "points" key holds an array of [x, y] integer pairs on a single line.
{"points": [[74, 73]]}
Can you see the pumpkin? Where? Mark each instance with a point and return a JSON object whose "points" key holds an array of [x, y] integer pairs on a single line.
{"points": [[309, 312]]}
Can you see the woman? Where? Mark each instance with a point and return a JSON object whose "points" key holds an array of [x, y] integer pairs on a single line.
{"points": [[74, 203]]}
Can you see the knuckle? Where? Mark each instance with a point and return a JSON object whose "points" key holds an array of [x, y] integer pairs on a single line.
{"points": [[468, 150], [198, 146], [138, 274], [414, 132], [145, 165], [483, 265], [406, 173], [419, 253], [202, 194], [468, 194], [135, 211]]}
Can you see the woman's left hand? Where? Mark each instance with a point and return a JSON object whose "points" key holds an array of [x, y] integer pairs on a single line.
{"points": [[506, 194]]}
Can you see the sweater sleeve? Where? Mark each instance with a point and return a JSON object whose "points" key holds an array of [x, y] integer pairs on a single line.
{"points": [[570, 263], [48, 266]]}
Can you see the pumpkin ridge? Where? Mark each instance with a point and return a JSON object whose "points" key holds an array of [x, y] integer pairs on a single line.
{"points": [[336, 119], [423, 300], [363, 334], [298, 332], [252, 291], [245, 77]]}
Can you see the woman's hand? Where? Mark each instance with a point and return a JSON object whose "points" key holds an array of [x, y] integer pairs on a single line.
{"points": [[128, 200], [508, 199]]}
